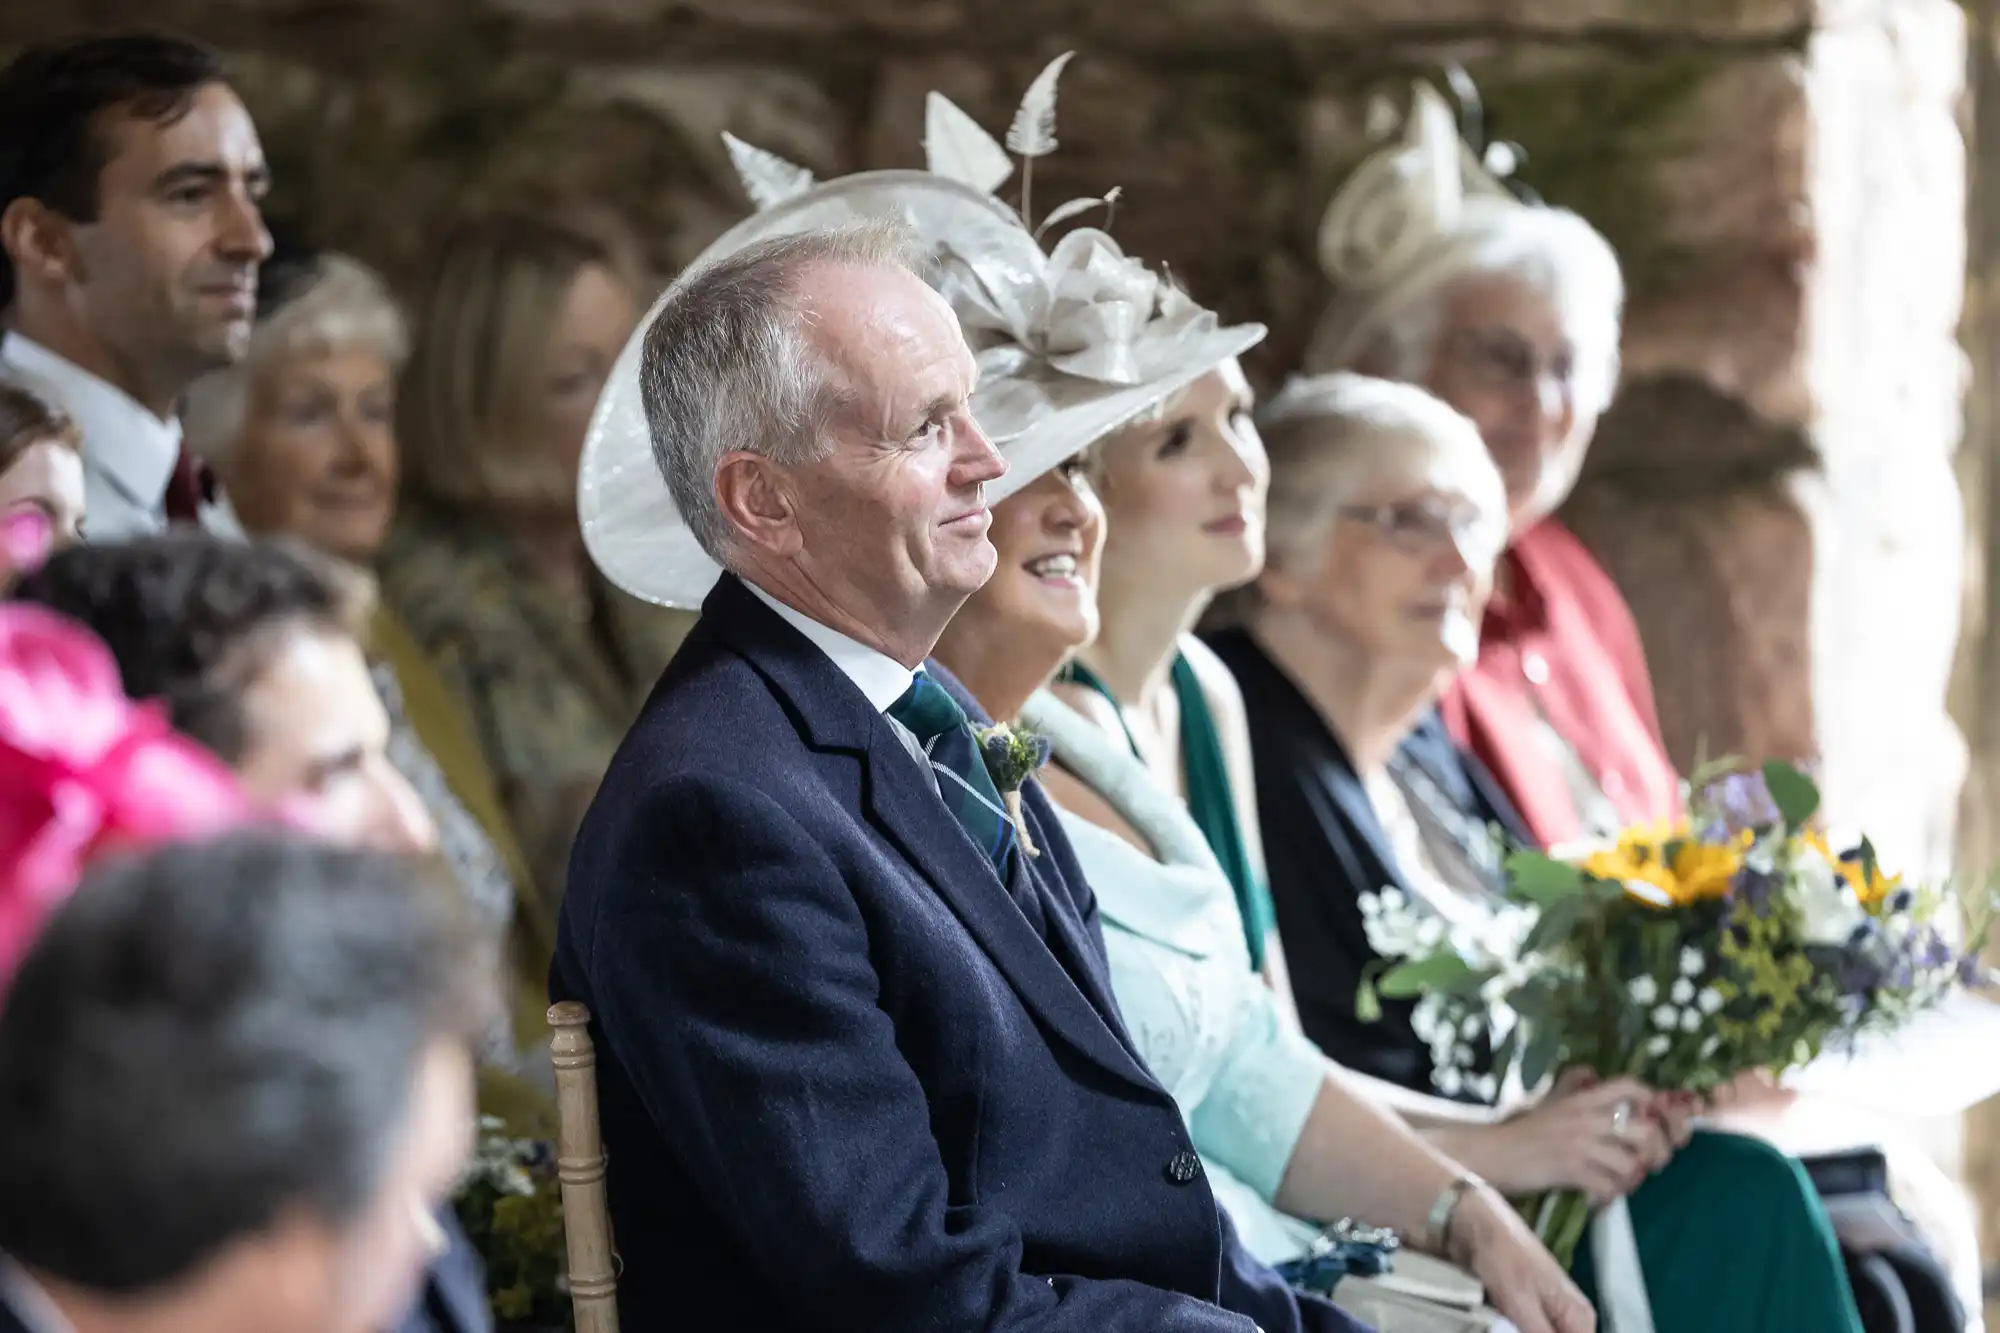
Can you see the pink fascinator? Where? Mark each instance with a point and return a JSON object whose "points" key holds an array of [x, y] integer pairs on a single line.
{"points": [[84, 770]]}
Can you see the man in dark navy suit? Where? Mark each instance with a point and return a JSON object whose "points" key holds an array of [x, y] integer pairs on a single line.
{"points": [[859, 1063]]}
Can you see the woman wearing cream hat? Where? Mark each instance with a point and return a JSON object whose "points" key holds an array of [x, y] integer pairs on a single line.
{"points": [[1510, 311]]}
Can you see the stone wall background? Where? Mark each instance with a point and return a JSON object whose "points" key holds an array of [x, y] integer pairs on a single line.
{"points": [[1778, 489], [1784, 179]]}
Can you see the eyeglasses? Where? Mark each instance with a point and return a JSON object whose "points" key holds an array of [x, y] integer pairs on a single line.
{"points": [[1419, 527], [1503, 359]]}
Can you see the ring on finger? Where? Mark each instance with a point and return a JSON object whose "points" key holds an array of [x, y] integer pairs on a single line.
{"points": [[1621, 1116]]}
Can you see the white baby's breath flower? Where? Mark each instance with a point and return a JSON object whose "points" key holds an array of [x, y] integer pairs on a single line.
{"points": [[1430, 932], [1462, 1057], [1690, 1020], [1691, 961], [1470, 1027], [1710, 1045], [1665, 1019], [1486, 1087], [1644, 990], [1369, 904], [1683, 991], [1423, 1022], [1709, 1000], [1450, 1082], [1658, 1045]]}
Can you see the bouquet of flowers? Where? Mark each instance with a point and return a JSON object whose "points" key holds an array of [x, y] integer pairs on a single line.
{"points": [[511, 1208], [1682, 956]]}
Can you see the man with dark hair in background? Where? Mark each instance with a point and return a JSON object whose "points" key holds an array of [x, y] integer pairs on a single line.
{"points": [[235, 1084], [131, 232], [255, 650]]}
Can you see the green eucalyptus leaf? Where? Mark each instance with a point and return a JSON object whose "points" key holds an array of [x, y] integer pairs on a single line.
{"points": [[1792, 792], [1442, 971], [1367, 1004], [1540, 1057], [1507, 1052], [1542, 879], [1559, 921]]}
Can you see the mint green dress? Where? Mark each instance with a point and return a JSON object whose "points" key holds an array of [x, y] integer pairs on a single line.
{"points": [[1207, 1026]]}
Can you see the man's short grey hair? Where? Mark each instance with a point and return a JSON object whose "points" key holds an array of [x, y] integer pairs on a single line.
{"points": [[727, 365], [347, 305], [1554, 252]]}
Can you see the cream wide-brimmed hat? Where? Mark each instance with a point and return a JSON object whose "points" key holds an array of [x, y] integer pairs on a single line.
{"points": [[1402, 224], [1072, 344]]}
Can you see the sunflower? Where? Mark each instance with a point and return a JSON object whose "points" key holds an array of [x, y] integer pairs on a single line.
{"points": [[1662, 866], [1638, 860], [1706, 870]]}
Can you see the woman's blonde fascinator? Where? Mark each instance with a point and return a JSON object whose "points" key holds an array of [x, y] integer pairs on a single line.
{"points": [[1072, 343], [1404, 219]]}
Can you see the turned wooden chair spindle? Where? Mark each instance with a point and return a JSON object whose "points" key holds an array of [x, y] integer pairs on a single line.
{"points": [[593, 1279]]}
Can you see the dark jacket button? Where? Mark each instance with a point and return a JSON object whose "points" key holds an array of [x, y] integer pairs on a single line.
{"points": [[1184, 1167]]}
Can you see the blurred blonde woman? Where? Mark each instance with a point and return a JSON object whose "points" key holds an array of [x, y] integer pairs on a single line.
{"points": [[518, 324]]}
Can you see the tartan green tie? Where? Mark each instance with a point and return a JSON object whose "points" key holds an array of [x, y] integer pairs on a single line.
{"points": [[945, 733]]}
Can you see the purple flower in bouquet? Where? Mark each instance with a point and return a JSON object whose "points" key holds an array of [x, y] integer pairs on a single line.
{"points": [[1738, 802], [1755, 888], [1862, 967]]}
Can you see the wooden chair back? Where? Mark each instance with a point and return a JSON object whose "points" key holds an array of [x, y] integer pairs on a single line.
{"points": [[593, 1277]]}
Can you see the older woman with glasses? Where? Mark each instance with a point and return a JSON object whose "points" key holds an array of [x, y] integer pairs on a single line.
{"points": [[1386, 516], [1510, 311], [303, 433]]}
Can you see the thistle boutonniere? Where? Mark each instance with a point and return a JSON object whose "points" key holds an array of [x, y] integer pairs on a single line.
{"points": [[1012, 755]]}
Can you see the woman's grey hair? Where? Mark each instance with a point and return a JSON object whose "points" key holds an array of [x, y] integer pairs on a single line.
{"points": [[345, 304], [1325, 435], [1554, 252], [727, 365]]}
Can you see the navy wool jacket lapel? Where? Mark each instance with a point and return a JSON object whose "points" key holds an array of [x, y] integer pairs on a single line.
{"points": [[902, 801]]}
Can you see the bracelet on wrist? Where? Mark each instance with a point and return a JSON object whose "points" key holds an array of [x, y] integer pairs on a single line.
{"points": [[1445, 1210]]}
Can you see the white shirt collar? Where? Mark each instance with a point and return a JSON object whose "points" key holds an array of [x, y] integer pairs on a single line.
{"points": [[121, 438], [877, 675], [30, 1304]]}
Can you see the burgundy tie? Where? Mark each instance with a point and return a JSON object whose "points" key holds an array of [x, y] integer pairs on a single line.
{"points": [[191, 486]]}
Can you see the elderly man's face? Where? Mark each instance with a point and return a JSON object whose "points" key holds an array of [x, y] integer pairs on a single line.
{"points": [[892, 524], [1504, 358]]}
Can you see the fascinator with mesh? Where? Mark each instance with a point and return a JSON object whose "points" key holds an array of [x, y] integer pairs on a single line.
{"points": [[1403, 224], [1072, 342]]}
